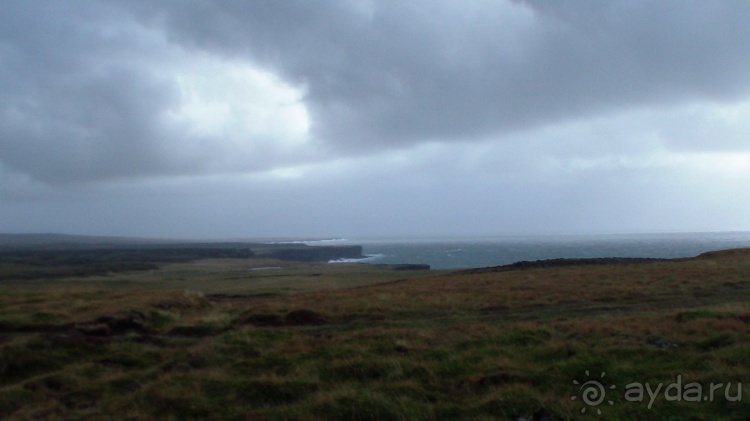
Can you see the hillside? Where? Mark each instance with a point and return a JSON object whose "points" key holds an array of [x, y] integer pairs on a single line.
{"points": [[310, 341]]}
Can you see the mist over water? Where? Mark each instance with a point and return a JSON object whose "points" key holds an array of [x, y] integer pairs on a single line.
{"points": [[493, 251]]}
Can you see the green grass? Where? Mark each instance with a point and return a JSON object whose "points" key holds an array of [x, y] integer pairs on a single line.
{"points": [[213, 339]]}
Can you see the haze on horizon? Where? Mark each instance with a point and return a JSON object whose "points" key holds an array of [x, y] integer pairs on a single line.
{"points": [[248, 119]]}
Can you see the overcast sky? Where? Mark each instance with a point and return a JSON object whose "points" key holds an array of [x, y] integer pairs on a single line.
{"points": [[235, 118]]}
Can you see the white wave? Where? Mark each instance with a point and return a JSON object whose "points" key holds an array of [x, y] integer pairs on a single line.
{"points": [[326, 241], [313, 242], [366, 259]]}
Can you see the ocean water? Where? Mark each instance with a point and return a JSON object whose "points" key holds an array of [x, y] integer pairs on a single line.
{"points": [[454, 253]]}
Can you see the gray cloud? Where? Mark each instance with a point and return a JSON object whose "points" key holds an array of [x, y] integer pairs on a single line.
{"points": [[394, 73], [77, 103], [199, 118], [399, 197], [87, 87]]}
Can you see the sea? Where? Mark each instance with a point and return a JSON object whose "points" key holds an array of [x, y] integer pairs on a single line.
{"points": [[475, 252]]}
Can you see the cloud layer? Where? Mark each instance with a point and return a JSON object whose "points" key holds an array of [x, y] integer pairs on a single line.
{"points": [[516, 107]]}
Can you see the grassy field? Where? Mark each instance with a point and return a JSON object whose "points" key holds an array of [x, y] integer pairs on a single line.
{"points": [[262, 339]]}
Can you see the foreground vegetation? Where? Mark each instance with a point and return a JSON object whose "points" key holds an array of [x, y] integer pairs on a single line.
{"points": [[262, 339]]}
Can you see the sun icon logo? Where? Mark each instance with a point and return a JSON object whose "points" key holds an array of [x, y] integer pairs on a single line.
{"points": [[593, 393]]}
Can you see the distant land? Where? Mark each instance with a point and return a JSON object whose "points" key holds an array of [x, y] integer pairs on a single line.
{"points": [[66, 240], [292, 251]]}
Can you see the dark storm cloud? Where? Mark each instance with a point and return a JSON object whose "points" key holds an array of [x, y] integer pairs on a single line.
{"points": [[76, 100], [394, 73], [86, 88]]}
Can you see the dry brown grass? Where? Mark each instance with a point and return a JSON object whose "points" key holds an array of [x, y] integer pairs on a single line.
{"points": [[370, 344]]}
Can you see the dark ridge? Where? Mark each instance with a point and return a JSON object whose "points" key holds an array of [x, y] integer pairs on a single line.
{"points": [[552, 263], [410, 266]]}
